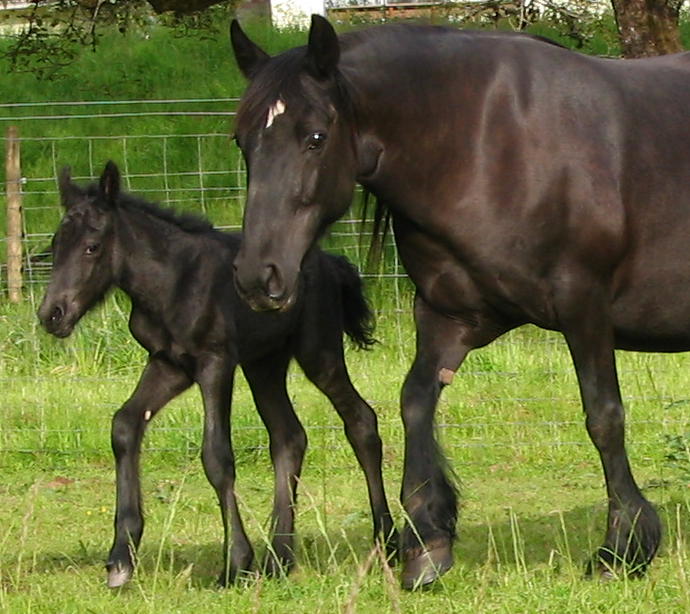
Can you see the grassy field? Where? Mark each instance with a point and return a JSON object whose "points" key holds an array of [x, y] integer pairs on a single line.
{"points": [[533, 499]]}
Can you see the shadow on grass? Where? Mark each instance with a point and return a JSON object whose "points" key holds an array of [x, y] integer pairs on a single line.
{"points": [[544, 540]]}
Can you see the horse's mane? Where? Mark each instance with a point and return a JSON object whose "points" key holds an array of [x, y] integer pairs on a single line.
{"points": [[188, 222], [280, 78]]}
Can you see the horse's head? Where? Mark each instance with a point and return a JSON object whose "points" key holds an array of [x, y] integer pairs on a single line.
{"points": [[295, 129], [82, 251]]}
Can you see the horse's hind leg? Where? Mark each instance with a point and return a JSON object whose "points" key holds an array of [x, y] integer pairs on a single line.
{"points": [[633, 528], [288, 442], [159, 383], [321, 358], [215, 377]]}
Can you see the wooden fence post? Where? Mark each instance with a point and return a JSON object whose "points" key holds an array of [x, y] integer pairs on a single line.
{"points": [[13, 178]]}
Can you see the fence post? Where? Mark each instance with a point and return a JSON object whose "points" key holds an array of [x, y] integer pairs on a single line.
{"points": [[14, 215]]}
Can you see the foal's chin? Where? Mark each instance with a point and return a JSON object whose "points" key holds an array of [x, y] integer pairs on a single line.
{"points": [[62, 332]]}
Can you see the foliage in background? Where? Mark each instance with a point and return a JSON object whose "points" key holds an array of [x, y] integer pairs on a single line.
{"points": [[50, 36]]}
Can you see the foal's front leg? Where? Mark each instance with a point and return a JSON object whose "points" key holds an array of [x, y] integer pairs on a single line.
{"points": [[288, 441], [159, 383], [215, 377]]}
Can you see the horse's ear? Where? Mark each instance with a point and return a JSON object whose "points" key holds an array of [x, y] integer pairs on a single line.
{"points": [[69, 192], [323, 49], [109, 184], [249, 56]]}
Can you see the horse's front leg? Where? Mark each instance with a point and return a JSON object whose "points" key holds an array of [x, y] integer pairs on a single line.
{"points": [[288, 442], [428, 496], [159, 383], [215, 377], [633, 528]]}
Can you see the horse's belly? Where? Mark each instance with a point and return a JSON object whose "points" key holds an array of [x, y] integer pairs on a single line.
{"points": [[654, 314]]}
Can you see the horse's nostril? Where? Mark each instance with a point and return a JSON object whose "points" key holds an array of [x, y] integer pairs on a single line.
{"points": [[275, 288]]}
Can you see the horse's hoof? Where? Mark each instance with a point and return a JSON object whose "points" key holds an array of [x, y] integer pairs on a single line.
{"points": [[118, 575], [426, 568]]}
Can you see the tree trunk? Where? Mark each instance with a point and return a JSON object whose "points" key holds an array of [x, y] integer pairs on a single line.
{"points": [[648, 27]]}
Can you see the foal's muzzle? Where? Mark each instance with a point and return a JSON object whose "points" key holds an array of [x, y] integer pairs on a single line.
{"points": [[53, 318]]}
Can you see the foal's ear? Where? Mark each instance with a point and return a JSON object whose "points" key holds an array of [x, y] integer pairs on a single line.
{"points": [[69, 192], [249, 56], [109, 184], [323, 49]]}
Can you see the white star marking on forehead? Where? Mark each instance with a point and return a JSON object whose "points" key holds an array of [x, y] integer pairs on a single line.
{"points": [[278, 108]]}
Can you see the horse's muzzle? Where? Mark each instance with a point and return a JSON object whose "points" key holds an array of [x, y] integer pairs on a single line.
{"points": [[266, 291]]}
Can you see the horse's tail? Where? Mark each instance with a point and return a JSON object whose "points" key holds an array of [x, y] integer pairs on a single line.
{"points": [[358, 319]]}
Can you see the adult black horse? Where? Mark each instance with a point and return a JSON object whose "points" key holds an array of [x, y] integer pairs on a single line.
{"points": [[526, 184], [187, 315]]}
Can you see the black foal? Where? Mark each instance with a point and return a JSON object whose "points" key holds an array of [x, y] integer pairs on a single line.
{"points": [[186, 313]]}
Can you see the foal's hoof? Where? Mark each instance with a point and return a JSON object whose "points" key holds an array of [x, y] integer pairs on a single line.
{"points": [[606, 566], [118, 575], [277, 567], [426, 568]]}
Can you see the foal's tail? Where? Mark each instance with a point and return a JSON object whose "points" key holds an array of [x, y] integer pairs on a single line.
{"points": [[358, 319]]}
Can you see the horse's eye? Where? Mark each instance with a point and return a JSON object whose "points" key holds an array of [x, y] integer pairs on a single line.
{"points": [[91, 249], [316, 140]]}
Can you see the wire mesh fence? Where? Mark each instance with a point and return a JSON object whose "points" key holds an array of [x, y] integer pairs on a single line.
{"points": [[176, 152], [181, 153]]}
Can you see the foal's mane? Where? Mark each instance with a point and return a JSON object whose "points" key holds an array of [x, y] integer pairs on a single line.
{"points": [[188, 222]]}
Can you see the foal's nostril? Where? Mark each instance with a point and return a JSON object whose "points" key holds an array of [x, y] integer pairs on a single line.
{"points": [[56, 314]]}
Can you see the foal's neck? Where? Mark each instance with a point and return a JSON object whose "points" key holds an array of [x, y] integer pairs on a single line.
{"points": [[145, 265]]}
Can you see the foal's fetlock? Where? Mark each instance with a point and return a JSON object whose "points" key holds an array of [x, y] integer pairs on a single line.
{"points": [[389, 542], [240, 569], [278, 562]]}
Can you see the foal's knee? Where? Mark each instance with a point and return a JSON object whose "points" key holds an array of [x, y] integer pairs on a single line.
{"points": [[125, 432], [291, 446], [219, 465]]}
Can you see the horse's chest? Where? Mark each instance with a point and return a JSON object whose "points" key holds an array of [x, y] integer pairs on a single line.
{"points": [[455, 285]]}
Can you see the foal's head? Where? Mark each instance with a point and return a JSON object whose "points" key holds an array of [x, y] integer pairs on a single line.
{"points": [[83, 249], [295, 129]]}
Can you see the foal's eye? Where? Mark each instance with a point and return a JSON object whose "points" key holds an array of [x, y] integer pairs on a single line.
{"points": [[91, 249], [316, 140]]}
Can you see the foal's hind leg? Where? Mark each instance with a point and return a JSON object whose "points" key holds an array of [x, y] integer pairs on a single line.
{"points": [[633, 528], [215, 377], [288, 441], [321, 357], [159, 383]]}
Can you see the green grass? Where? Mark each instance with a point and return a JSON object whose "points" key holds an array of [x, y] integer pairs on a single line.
{"points": [[533, 503]]}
